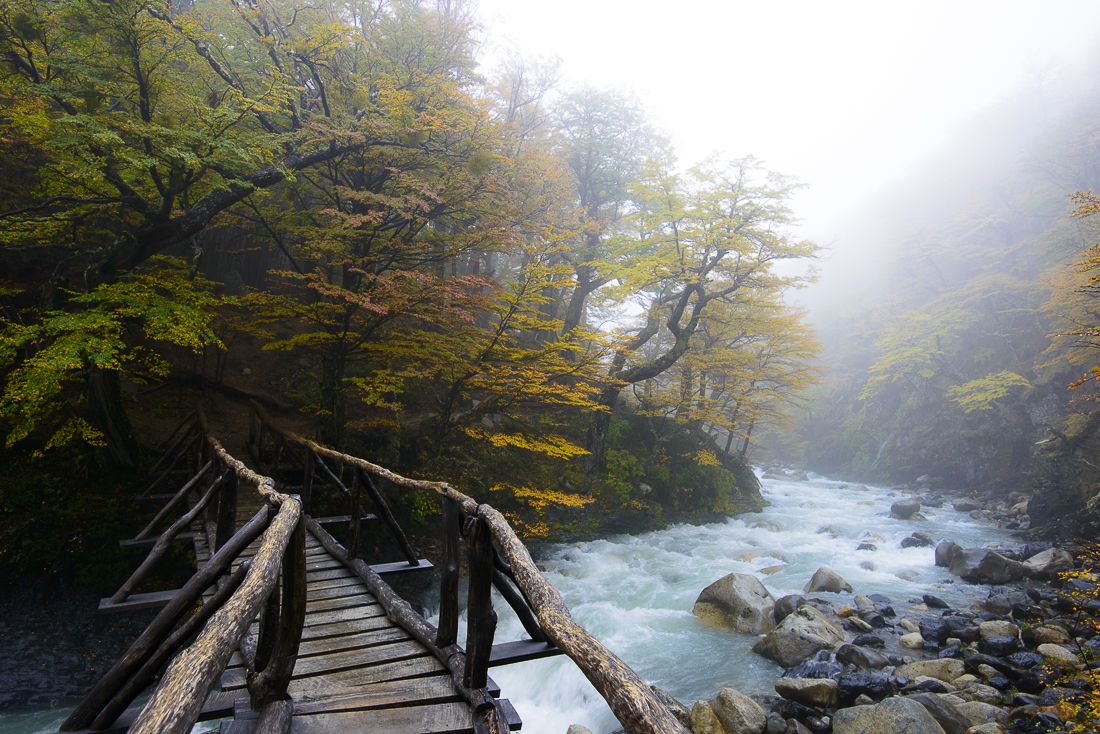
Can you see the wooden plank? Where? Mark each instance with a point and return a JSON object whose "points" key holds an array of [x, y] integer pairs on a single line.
{"points": [[134, 602], [445, 718], [181, 537], [335, 519], [401, 567], [343, 643], [342, 615], [342, 602], [521, 651], [336, 629], [335, 592], [346, 670], [423, 691], [313, 586], [335, 573]]}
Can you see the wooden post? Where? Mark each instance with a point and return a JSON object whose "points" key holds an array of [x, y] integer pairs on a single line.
{"points": [[270, 683], [480, 615], [180, 495], [307, 482], [518, 604], [448, 581], [227, 509], [269, 629], [356, 512]]}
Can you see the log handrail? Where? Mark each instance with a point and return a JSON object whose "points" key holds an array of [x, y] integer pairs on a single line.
{"points": [[631, 700]]}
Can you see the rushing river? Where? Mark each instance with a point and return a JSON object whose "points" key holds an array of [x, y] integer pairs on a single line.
{"points": [[635, 594]]}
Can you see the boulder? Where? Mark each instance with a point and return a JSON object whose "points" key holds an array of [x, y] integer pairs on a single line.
{"points": [[967, 506], [905, 508], [1050, 651], [825, 579], [737, 713], [944, 711], [703, 720], [578, 729], [894, 715], [945, 669], [800, 635], [863, 658], [737, 601], [983, 713], [913, 641], [998, 628], [1043, 564], [918, 540], [983, 566], [818, 692], [870, 683], [1044, 633], [987, 729], [945, 551], [786, 605]]}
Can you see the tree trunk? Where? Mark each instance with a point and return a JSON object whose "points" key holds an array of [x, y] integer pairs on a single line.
{"points": [[107, 414], [597, 432]]}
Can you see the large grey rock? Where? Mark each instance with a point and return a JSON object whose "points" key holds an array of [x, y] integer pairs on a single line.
{"points": [[945, 711], [737, 601], [945, 552], [983, 713], [786, 605], [1043, 564], [893, 716], [863, 658], [945, 669], [703, 720], [905, 508], [803, 633], [825, 579], [578, 729], [819, 692], [737, 713], [983, 566]]}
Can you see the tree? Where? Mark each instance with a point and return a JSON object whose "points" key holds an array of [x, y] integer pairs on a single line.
{"points": [[704, 240]]}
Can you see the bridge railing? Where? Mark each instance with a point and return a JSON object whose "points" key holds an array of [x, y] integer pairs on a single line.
{"points": [[495, 556], [222, 623]]}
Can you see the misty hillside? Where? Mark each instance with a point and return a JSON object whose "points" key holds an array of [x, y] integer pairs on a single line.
{"points": [[941, 321]]}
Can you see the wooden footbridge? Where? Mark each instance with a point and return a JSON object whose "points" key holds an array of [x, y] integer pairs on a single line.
{"points": [[284, 629]]}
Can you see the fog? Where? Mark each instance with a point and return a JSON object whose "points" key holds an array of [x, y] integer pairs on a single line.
{"points": [[888, 112]]}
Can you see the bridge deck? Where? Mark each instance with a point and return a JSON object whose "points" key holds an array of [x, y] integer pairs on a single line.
{"points": [[356, 670]]}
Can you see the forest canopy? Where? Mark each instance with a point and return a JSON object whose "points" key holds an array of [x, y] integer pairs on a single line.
{"points": [[471, 264]]}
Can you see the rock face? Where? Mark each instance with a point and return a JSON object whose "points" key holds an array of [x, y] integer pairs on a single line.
{"points": [[905, 508], [894, 715], [737, 713], [802, 634], [983, 566], [738, 601], [825, 579]]}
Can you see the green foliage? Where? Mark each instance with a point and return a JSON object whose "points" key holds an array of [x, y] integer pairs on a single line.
{"points": [[623, 469], [115, 327], [984, 393]]}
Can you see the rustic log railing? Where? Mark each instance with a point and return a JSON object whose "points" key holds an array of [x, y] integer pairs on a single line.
{"points": [[495, 556], [221, 625]]}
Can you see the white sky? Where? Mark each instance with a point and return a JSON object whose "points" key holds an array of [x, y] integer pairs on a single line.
{"points": [[845, 96]]}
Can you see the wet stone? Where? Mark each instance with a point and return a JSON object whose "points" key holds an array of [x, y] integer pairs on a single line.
{"points": [[1025, 659], [999, 646]]}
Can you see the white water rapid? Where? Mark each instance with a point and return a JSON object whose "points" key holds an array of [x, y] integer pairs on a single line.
{"points": [[635, 593]]}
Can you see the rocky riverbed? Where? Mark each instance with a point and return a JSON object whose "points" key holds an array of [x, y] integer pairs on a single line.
{"points": [[1018, 661], [54, 645]]}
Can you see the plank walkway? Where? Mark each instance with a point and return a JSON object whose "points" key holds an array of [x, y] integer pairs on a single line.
{"points": [[356, 670]]}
